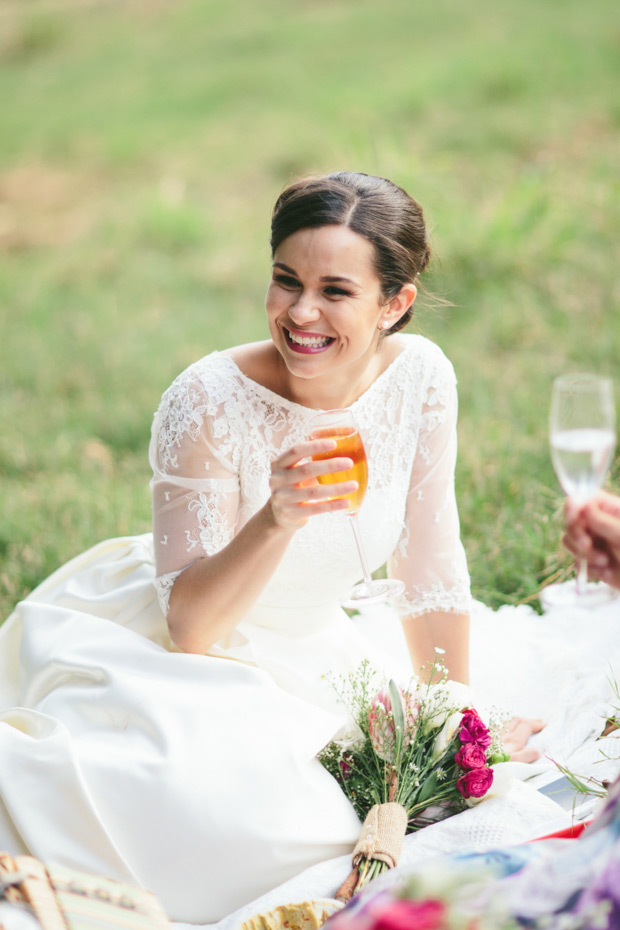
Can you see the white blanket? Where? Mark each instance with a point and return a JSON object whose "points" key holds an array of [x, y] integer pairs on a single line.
{"points": [[561, 667]]}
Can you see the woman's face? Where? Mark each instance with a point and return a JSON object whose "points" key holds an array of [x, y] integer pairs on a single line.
{"points": [[324, 302]]}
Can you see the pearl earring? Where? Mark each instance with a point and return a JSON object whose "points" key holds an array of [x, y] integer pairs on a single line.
{"points": [[385, 324]]}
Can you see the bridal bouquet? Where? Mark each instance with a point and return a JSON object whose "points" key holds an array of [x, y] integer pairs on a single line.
{"points": [[409, 757]]}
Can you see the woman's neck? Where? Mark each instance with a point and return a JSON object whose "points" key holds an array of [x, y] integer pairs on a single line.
{"points": [[261, 362]]}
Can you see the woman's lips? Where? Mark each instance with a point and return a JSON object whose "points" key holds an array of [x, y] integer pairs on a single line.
{"points": [[307, 343]]}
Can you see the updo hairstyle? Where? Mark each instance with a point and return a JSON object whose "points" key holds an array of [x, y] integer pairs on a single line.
{"points": [[375, 208]]}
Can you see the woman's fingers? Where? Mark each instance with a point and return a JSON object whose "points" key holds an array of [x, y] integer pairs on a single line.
{"points": [[605, 525], [296, 492], [593, 533], [309, 470], [529, 754], [609, 503], [515, 734], [304, 450], [577, 539], [293, 506]]}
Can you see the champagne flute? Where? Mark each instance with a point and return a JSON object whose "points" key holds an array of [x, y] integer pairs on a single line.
{"points": [[582, 437], [340, 426]]}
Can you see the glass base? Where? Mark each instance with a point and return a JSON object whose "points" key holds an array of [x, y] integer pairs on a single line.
{"points": [[595, 594], [374, 592]]}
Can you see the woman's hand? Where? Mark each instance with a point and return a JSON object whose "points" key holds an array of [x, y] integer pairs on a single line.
{"points": [[296, 493], [593, 533], [515, 734]]}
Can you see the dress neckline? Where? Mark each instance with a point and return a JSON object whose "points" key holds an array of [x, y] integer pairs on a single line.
{"points": [[310, 411]]}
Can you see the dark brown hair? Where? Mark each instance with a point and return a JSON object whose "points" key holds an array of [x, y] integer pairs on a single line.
{"points": [[375, 208]]}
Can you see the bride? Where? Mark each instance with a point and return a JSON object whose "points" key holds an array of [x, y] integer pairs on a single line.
{"points": [[130, 744]]}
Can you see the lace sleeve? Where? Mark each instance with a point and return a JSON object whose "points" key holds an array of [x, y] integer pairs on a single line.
{"points": [[430, 558], [195, 488]]}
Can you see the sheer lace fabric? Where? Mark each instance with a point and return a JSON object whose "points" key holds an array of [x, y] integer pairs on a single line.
{"points": [[215, 435]]}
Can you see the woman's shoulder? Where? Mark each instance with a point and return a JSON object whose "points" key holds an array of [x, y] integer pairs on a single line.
{"points": [[213, 377], [209, 398], [424, 358]]}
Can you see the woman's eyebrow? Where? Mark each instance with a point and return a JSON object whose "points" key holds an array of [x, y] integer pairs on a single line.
{"points": [[331, 279], [338, 278]]}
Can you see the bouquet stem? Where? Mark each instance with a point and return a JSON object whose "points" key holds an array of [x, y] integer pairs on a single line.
{"points": [[348, 887]]}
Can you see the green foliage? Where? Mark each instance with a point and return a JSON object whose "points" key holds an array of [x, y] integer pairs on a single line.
{"points": [[142, 145]]}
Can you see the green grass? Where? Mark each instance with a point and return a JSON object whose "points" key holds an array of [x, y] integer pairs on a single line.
{"points": [[142, 145]]}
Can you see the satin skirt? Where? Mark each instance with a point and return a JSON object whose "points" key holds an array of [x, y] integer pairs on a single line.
{"points": [[193, 776]]}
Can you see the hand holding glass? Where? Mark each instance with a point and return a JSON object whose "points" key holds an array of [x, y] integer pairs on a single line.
{"points": [[582, 436], [340, 426]]}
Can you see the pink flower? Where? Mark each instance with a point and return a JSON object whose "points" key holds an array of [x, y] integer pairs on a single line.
{"points": [[473, 730], [471, 756], [382, 726], [407, 915], [475, 783], [345, 764]]}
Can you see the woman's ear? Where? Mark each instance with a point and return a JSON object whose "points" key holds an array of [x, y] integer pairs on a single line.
{"points": [[398, 305]]}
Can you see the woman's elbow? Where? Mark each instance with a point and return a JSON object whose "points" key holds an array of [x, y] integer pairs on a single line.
{"points": [[186, 630]]}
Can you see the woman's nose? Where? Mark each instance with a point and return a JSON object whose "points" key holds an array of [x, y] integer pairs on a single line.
{"points": [[304, 310]]}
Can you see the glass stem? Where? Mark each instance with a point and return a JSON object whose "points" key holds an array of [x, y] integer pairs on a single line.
{"points": [[582, 576], [360, 548]]}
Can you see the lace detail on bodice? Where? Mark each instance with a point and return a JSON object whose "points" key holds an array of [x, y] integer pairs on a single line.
{"points": [[419, 600], [163, 587], [216, 433]]}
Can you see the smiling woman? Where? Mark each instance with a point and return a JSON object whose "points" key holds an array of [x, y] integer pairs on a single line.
{"points": [[346, 251], [209, 639]]}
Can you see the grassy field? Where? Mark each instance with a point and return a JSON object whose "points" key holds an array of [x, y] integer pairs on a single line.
{"points": [[142, 145]]}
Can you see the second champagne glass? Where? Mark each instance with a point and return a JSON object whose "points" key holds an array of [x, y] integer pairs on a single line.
{"points": [[340, 426], [582, 436]]}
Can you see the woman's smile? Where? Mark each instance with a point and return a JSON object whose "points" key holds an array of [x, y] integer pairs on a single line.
{"points": [[306, 343]]}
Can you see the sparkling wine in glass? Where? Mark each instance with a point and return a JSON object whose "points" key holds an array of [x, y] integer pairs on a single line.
{"points": [[582, 437], [340, 426]]}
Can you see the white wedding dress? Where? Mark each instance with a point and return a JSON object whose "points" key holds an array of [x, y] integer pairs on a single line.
{"points": [[196, 776]]}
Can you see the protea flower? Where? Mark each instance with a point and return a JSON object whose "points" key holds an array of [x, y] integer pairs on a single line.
{"points": [[392, 721]]}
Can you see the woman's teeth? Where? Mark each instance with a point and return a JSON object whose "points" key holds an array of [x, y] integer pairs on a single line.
{"points": [[313, 342]]}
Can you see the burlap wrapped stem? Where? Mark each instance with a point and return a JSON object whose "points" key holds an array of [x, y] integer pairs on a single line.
{"points": [[381, 839]]}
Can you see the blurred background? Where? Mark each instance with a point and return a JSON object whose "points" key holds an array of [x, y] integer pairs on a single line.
{"points": [[142, 145]]}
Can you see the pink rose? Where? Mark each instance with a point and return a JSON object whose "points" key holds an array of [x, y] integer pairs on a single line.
{"points": [[471, 756], [381, 724], [406, 915], [473, 730], [475, 783]]}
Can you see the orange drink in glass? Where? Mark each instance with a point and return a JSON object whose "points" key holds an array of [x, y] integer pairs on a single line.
{"points": [[340, 426], [348, 445]]}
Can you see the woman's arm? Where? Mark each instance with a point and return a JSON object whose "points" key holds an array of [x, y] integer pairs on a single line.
{"points": [[446, 631], [212, 563], [211, 596], [430, 558]]}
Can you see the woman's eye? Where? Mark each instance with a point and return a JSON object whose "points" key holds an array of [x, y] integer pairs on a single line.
{"points": [[285, 280], [333, 291]]}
